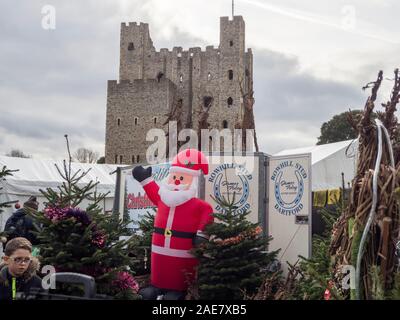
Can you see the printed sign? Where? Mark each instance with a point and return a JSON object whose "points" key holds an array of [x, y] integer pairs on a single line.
{"points": [[288, 179], [136, 202], [289, 208], [235, 181]]}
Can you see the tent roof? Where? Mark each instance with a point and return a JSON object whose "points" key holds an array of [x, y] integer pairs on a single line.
{"points": [[318, 152], [329, 162], [35, 174]]}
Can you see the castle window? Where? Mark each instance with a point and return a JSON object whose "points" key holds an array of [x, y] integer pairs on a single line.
{"points": [[209, 76], [118, 122], [207, 101], [159, 76], [136, 121], [230, 102], [137, 159], [133, 159], [131, 46], [155, 120], [120, 159], [231, 43], [225, 124], [181, 78], [247, 73], [116, 159], [230, 74]]}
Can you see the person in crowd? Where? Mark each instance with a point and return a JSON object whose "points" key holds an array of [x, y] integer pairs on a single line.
{"points": [[20, 224], [18, 269]]}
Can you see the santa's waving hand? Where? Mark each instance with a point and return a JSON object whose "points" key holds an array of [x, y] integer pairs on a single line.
{"points": [[178, 225]]}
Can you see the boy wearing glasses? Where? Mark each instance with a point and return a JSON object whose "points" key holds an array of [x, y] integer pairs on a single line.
{"points": [[18, 272]]}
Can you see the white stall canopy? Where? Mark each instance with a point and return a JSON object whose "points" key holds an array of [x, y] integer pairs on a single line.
{"points": [[328, 161], [35, 174]]}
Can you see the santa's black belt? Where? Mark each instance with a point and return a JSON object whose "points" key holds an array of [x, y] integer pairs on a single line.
{"points": [[174, 233]]}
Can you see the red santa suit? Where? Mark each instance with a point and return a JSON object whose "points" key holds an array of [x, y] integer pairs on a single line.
{"points": [[172, 265]]}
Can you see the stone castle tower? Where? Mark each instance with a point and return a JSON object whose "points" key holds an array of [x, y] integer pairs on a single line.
{"points": [[152, 82]]}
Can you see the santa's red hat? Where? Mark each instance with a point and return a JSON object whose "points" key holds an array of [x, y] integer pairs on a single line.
{"points": [[190, 161]]}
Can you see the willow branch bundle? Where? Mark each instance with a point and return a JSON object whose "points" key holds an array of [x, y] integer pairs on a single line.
{"points": [[349, 227]]}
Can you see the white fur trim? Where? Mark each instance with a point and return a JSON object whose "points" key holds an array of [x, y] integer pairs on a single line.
{"points": [[196, 173], [202, 234], [176, 198], [171, 252], [146, 181], [171, 215]]}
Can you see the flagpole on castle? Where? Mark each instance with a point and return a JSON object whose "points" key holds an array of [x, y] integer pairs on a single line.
{"points": [[233, 8]]}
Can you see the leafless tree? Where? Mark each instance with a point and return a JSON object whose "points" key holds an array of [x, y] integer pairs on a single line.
{"points": [[85, 155], [16, 153]]}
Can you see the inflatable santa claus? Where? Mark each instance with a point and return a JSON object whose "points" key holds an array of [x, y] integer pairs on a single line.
{"points": [[178, 226]]}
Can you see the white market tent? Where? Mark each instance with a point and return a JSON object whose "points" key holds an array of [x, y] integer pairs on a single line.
{"points": [[328, 161], [35, 174]]}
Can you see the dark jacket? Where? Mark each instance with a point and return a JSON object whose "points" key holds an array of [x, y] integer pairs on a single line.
{"points": [[24, 283], [20, 224]]}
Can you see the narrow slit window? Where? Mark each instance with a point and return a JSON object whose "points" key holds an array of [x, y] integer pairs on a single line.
{"points": [[118, 122], [136, 121], [230, 102], [131, 46], [225, 124], [138, 159], [230, 74], [120, 159]]}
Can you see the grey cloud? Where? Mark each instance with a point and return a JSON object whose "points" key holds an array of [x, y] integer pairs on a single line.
{"points": [[284, 92], [291, 105]]}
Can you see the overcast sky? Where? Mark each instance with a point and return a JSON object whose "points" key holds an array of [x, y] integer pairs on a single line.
{"points": [[311, 59]]}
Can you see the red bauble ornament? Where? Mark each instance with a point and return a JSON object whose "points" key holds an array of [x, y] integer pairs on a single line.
{"points": [[327, 294]]}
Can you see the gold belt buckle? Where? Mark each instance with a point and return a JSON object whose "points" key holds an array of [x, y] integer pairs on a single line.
{"points": [[168, 233]]}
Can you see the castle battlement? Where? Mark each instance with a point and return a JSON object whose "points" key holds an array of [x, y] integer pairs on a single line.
{"points": [[236, 19], [134, 25]]}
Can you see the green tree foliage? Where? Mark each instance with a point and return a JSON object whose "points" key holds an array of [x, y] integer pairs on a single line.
{"points": [[140, 253], [233, 263], [77, 236], [4, 172], [339, 128], [317, 271]]}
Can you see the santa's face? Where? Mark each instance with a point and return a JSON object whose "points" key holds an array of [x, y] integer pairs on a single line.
{"points": [[180, 181], [179, 188]]}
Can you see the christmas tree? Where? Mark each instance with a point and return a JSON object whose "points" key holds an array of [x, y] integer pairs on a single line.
{"points": [[141, 251], [310, 278], [234, 262], [4, 172], [85, 240]]}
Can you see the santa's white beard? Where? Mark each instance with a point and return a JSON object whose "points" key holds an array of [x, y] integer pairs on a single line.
{"points": [[172, 197]]}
